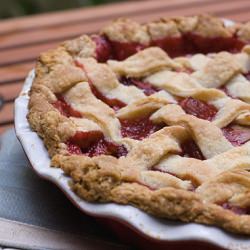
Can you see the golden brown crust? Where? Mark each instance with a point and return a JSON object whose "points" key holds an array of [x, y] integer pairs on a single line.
{"points": [[143, 63], [81, 47], [53, 127], [222, 178], [161, 29], [243, 31], [209, 26], [99, 179], [126, 30]]}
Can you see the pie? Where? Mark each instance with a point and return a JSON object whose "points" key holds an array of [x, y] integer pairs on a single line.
{"points": [[155, 115]]}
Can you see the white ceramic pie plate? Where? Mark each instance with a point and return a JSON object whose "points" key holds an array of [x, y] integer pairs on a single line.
{"points": [[158, 229]]}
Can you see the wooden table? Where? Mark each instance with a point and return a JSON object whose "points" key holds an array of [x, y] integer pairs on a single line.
{"points": [[22, 39]]}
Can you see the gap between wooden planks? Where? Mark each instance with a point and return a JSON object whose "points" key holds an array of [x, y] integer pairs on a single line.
{"points": [[3, 128], [6, 113], [15, 72], [10, 91]]}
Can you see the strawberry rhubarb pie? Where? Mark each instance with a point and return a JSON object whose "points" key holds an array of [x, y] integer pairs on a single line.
{"points": [[155, 115]]}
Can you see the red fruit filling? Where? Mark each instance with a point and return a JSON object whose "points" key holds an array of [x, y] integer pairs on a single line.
{"points": [[191, 149], [237, 135], [73, 149], [199, 44], [174, 46], [64, 108], [236, 209], [247, 75], [103, 48], [188, 43], [147, 88], [113, 103], [122, 50], [139, 128], [93, 143], [198, 108]]}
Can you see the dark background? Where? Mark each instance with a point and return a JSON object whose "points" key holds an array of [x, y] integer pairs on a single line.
{"points": [[13, 8]]}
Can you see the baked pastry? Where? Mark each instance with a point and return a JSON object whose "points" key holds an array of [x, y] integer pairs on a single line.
{"points": [[154, 115]]}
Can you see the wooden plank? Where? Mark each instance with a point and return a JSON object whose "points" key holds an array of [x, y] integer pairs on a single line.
{"points": [[31, 52], [69, 30], [240, 16], [10, 91], [17, 55], [3, 128], [15, 72], [219, 9], [7, 113], [92, 13], [49, 34]]}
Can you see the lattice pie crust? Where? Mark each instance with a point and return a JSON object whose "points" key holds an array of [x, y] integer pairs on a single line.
{"points": [[152, 115]]}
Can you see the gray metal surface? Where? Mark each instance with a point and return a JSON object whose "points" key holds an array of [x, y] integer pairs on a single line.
{"points": [[26, 198]]}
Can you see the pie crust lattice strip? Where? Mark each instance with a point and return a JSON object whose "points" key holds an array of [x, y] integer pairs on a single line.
{"points": [[154, 115]]}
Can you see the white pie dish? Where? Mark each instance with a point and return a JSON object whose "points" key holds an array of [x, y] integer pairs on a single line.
{"points": [[151, 227]]}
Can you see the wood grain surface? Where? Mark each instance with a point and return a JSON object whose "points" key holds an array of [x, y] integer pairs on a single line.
{"points": [[23, 39]]}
